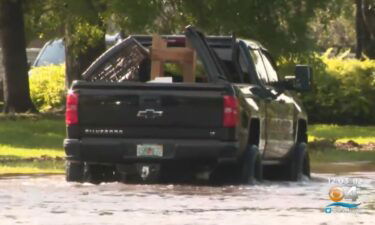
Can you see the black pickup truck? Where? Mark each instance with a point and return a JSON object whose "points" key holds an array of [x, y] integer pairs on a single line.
{"points": [[237, 120]]}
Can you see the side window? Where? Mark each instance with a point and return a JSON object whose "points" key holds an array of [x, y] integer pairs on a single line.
{"points": [[258, 63], [53, 54], [244, 69], [272, 74]]}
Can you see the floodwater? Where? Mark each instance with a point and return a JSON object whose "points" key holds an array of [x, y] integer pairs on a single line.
{"points": [[50, 200]]}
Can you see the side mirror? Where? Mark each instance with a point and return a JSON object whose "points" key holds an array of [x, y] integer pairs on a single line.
{"points": [[303, 78], [301, 81]]}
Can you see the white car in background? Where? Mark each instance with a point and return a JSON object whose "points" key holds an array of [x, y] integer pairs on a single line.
{"points": [[53, 52]]}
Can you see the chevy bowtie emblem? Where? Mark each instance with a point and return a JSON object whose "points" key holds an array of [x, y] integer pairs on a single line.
{"points": [[149, 114]]}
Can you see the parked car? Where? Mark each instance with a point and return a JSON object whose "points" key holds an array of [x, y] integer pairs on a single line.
{"points": [[53, 52], [235, 119]]}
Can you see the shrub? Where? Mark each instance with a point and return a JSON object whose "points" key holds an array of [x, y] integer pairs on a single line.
{"points": [[47, 87], [344, 89]]}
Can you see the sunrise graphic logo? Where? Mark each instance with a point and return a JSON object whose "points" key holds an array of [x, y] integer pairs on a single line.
{"points": [[337, 194]]}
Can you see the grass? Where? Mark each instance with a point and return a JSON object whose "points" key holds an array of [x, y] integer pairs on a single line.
{"points": [[335, 155], [35, 133], [32, 167], [8, 152], [322, 138], [25, 138], [359, 134], [33, 143]]}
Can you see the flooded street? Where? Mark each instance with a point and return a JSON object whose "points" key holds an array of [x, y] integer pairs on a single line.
{"points": [[51, 200]]}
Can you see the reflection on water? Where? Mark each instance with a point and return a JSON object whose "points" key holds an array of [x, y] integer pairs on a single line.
{"points": [[50, 200]]}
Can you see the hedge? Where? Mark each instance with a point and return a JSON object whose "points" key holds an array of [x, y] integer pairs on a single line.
{"points": [[47, 87], [343, 90]]}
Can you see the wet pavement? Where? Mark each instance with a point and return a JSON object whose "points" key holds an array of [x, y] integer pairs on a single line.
{"points": [[50, 200]]}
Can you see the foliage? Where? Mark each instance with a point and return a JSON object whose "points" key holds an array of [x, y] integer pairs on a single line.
{"points": [[132, 16], [47, 87], [334, 26], [344, 88], [358, 134], [85, 36], [44, 19], [282, 25]]}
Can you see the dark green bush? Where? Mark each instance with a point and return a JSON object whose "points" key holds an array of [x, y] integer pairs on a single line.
{"points": [[344, 89]]}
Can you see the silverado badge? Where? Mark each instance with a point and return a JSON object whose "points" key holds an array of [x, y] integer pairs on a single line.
{"points": [[149, 114]]}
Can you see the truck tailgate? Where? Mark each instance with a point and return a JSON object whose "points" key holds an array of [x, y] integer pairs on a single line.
{"points": [[154, 110]]}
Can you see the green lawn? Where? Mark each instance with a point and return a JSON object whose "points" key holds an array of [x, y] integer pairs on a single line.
{"points": [[25, 138], [323, 137], [33, 143], [334, 155], [359, 134], [32, 167]]}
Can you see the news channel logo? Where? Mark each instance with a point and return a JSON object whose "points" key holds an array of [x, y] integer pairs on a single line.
{"points": [[344, 196]]}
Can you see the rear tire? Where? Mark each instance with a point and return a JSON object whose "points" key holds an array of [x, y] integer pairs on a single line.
{"points": [[251, 166], [224, 174], [299, 164], [74, 172]]}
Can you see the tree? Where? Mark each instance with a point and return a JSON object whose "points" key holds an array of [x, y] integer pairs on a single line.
{"points": [[365, 27], [12, 35], [334, 26], [281, 25], [84, 36], [79, 22]]}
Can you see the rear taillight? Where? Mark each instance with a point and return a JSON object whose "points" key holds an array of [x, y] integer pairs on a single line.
{"points": [[230, 111], [71, 114]]}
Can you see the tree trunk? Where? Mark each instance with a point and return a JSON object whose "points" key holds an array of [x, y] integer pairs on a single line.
{"points": [[365, 27], [368, 17], [16, 80], [359, 29]]}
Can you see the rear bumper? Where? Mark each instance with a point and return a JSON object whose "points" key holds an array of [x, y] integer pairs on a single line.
{"points": [[117, 151]]}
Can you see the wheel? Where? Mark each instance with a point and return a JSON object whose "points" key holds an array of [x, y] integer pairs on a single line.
{"points": [[74, 172], [225, 174], [251, 166], [299, 164]]}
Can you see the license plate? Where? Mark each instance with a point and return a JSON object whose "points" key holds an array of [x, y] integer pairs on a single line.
{"points": [[150, 150]]}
